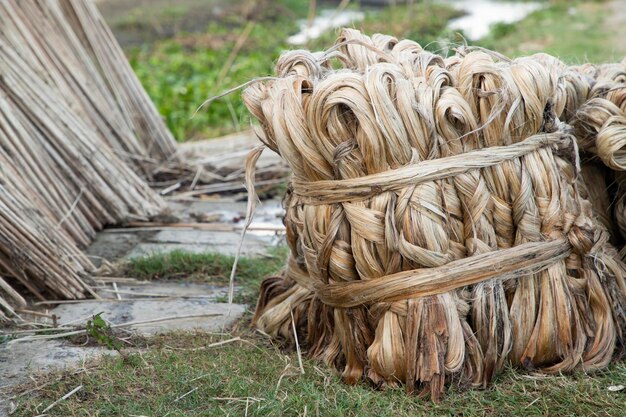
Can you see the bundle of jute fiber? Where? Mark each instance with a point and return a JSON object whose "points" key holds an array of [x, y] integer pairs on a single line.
{"points": [[433, 217], [595, 185], [600, 125], [579, 90], [575, 85]]}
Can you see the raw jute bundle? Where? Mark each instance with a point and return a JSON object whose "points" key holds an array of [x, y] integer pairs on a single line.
{"points": [[600, 125], [434, 220]]}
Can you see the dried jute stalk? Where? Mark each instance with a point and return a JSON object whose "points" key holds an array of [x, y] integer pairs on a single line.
{"points": [[64, 171], [435, 226]]}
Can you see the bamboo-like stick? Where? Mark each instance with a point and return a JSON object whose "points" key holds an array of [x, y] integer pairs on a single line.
{"points": [[73, 50]]}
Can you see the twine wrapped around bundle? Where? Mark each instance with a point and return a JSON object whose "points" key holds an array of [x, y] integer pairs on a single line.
{"points": [[434, 221]]}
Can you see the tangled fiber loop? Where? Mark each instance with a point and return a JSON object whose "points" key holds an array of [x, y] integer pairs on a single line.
{"points": [[599, 123], [434, 219]]}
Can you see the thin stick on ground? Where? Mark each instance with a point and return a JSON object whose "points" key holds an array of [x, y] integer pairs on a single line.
{"points": [[295, 337], [210, 346], [113, 326], [186, 394], [63, 398]]}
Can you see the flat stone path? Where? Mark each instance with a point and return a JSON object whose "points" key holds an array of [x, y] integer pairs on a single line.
{"points": [[183, 307], [115, 244]]}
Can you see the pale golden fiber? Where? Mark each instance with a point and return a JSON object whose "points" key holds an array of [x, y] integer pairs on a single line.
{"points": [[434, 219]]}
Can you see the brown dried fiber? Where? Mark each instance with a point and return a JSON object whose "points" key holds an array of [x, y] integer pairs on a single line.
{"points": [[600, 125], [434, 219]]}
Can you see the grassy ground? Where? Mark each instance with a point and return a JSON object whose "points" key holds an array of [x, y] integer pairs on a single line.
{"points": [[209, 268], [186, 374], [574, 31], [252, 377]]}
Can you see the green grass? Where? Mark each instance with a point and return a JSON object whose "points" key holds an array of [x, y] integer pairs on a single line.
{"points": [[182, 70], [220, 379], [211, 268], [574, 31], [180, 78]]}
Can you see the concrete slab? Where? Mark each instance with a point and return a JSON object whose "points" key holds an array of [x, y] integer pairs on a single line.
{"points": [[227, 154], [131, 243], [188, 307], [142, 289], [147, 249], [200, 241], [268, 214], [19, 361], [218, 316], [198, 237], [113, 246]]}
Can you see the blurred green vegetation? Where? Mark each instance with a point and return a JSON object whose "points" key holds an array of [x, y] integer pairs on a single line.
{"points": [[574, 31], [179, 77], [180, 73], [180, 70], [209, 268]]}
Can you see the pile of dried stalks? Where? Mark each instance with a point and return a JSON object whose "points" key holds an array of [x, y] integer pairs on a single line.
{"points": [[69, 46], [434, 219], [71, 117]]}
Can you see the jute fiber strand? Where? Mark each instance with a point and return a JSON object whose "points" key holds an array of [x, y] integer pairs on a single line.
{"points": [[60, 182], [596, 109], [594, 184], [434, 221]]}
